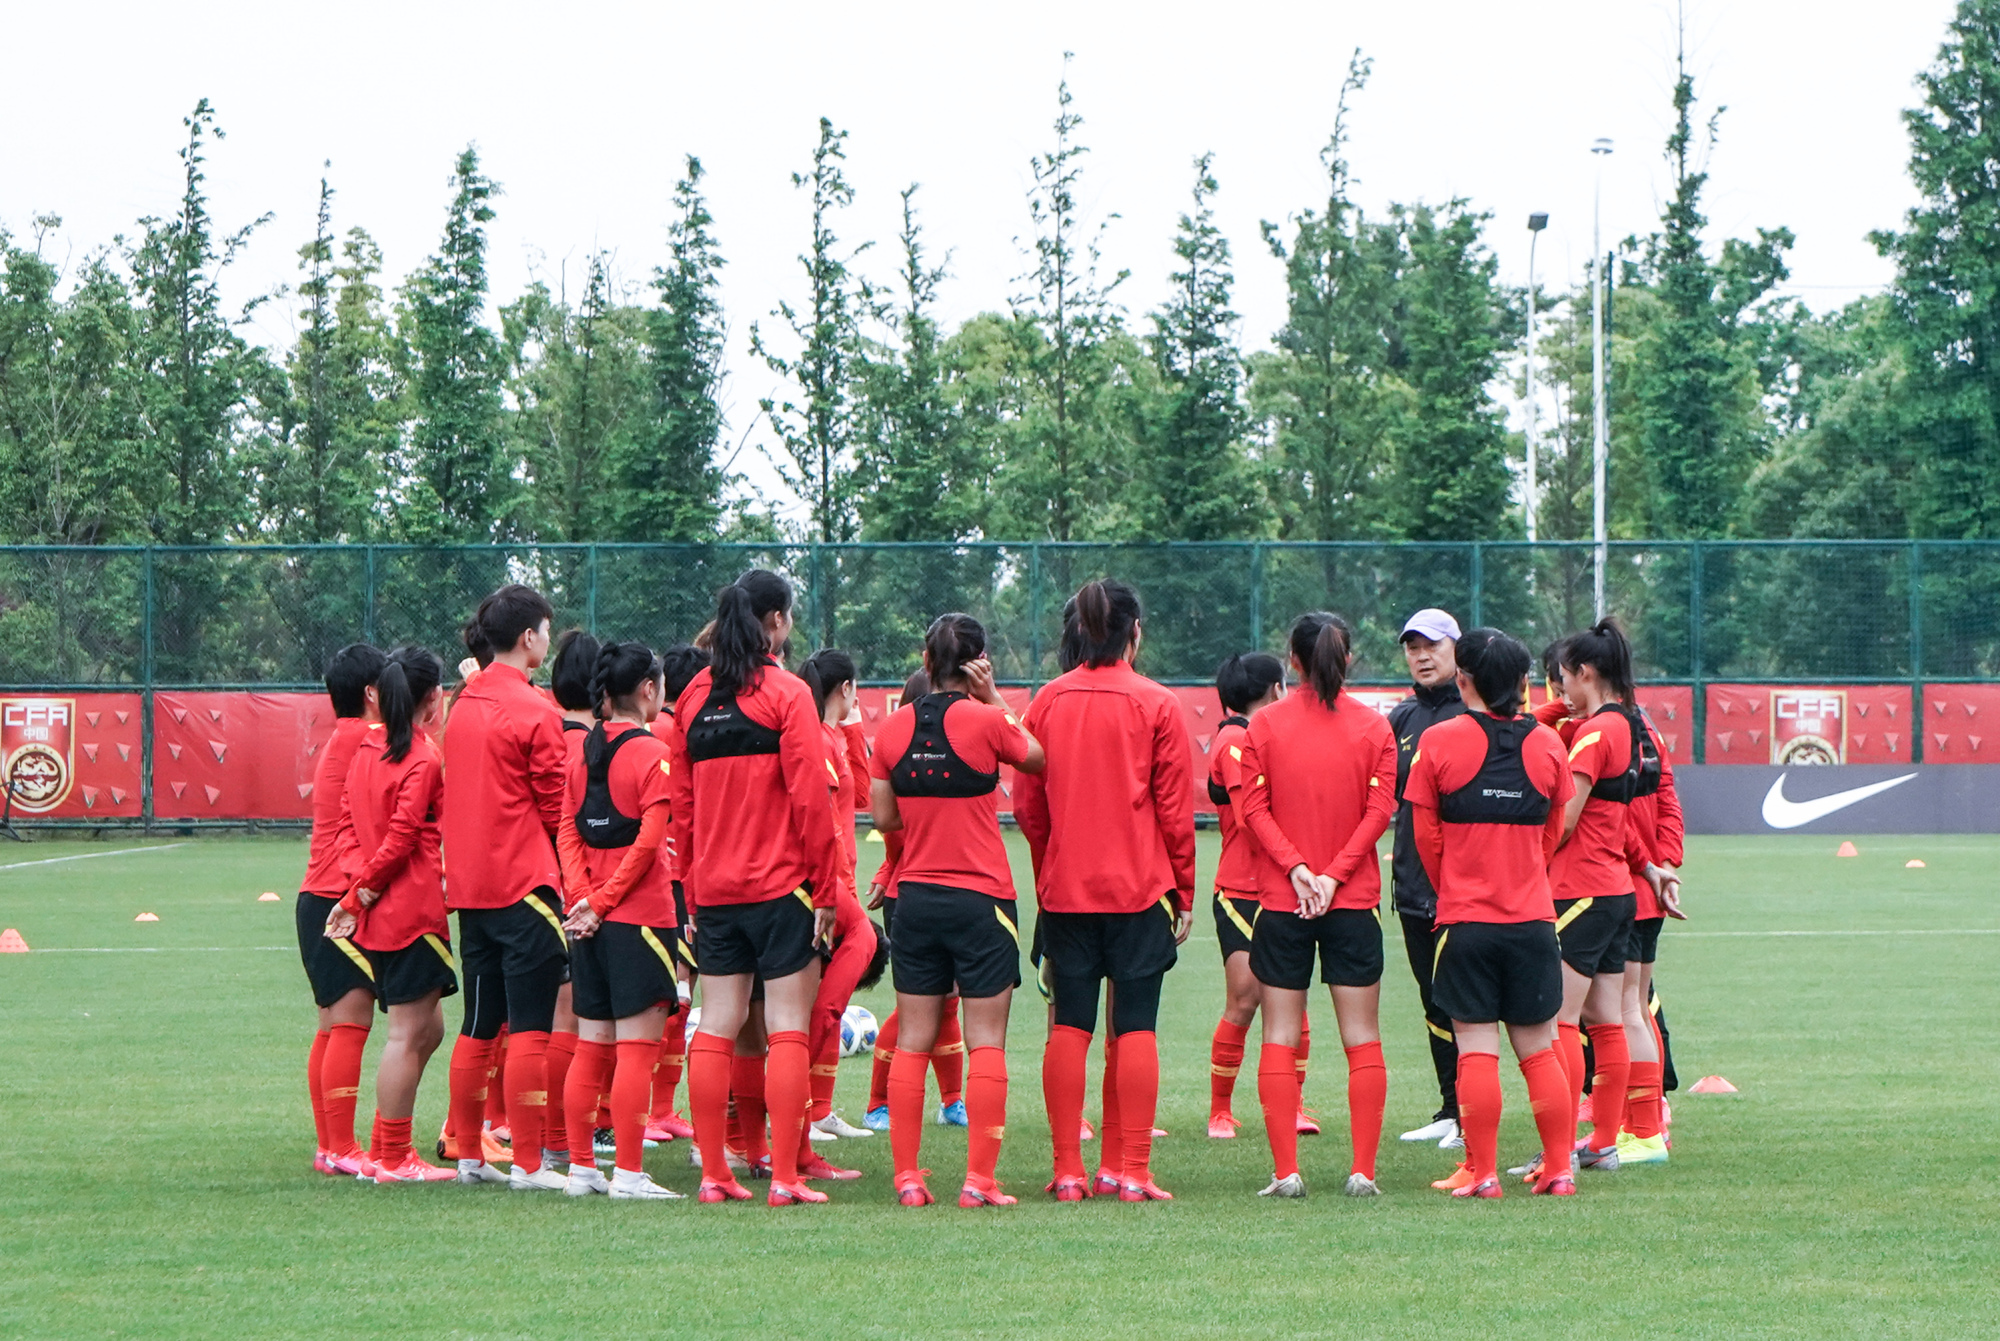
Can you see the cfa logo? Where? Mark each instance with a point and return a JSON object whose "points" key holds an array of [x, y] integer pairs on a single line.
{"points": [[1808, 726], [37, 751]]}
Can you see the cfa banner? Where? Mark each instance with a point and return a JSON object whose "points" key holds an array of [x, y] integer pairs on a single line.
{"points": [[71, 756], [1839, 799]]}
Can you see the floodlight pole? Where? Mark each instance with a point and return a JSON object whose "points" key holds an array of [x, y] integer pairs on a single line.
{"points": [[1601, 421], [1536, 223]]}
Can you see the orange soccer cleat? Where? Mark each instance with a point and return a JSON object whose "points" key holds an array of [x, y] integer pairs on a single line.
{"points": [[1460, 1177], [980, 1191]]}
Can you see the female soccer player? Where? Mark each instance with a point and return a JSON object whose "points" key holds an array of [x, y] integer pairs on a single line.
{"points": [[1110, 825], [395, 910], [1318, 788], [571, 669], [1245, 685], [753, 837], [621, 920], [1487, 793], [1653, 849], [679, 664], [936, 774], [337, 972]]}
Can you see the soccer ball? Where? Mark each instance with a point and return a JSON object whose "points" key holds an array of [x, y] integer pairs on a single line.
{"points": [[857, 1031], [694, 1022]]}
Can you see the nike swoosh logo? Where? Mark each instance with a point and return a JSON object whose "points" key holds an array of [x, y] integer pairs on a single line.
{"points": [[1780, 813]]}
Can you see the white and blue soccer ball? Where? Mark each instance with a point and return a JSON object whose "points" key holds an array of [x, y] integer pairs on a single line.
{"points": [[694, 1022], [857, 1031]]}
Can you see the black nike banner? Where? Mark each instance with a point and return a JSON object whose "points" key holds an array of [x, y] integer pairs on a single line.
{"points": [[1840, 799]]}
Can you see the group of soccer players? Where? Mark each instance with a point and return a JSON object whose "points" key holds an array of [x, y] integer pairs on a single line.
{"points": [[653, 823]]}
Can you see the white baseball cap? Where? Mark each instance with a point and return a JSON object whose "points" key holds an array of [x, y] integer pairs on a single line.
{"points": [[1433, 624]]}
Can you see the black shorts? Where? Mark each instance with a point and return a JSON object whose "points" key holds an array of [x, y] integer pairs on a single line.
{"points": [[1645, 947], [772, 939], [956, 936], [1349, 941], [413, 972], [1487, 972], [332, 972], [1045, 974], [621, 969], [683, 942], [1235, 920], [1596, 932], [513, 940], [1117, 946]]}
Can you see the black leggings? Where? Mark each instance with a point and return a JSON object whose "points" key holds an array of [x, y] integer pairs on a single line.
{"points": [[1135, 1003], [524, 1002]]}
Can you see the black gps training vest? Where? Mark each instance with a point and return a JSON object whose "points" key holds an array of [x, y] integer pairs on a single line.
{"points": [[722, 730], [1218, 793], [599, 823], [1500, 792], [1642, 774], [931, 766]]}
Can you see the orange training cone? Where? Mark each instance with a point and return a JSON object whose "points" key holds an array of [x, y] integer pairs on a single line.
{"points": [[1712, 1085], [267, 897], [1914, 864], [11, 943], [1848, 850], [147, 917]]}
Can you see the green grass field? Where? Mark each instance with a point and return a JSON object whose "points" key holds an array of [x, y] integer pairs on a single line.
{"points": [[155, 1153]]}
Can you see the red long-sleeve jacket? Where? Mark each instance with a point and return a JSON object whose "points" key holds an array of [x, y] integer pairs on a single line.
{"points": [[1318, 788], [504, 767], [330, 860], [1654, 832], [1110, 821], [394, 809], [752, 827]]}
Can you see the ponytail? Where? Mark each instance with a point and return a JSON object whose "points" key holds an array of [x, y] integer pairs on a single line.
{"points": [[1103, 616], [1605, 649], [1245, 678], [952, 641], [740, 645], [825, 671], [617, 673], [570, 671], [411, 676], [1320, 641], [1497, 665]]}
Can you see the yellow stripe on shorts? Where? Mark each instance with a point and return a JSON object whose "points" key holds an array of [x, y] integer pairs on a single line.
{"points": [[646, 935], [352, 951], [1012, 930], [1576, 910], [803, 897], [1167, 902], [1229, 910], [535, 902], [1438, 953], [1444, 1034], [444, 951]]}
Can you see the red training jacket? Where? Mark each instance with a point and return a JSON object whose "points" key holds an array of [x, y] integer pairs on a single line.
{"points": [[330, 861], [504, 766], [395, 809]]}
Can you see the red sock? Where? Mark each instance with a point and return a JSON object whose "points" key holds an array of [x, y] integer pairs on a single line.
{"points": [[313, 1060], [471, 1064], [1608, 1086], [1278, 1092], [555, 1125], [1367, 1096], [1479, 1111], [1111, 1130], [496, 1089], [788, 1085], [667, 1065], [1570, 1039], [1225, 1060], [1063, 1061], [710, 1061], [527, 1095], [1551, 1097], [1138, 1100], [1642, 1100], [948, 1055], [985, 1110], [885, 1055], [375, 1135], [584, 1088], [632, 1100], [1305, 1051], [907, 1074], [340, 1084], [746, 1087], [392, 1139], [825, 1072]]}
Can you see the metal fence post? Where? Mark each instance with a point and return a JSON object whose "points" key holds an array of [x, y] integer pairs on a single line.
{"points": [[590, 601], [1478, 584], [1257, 594], [1695, 653], [1916, 651], [1035, 615], [146, 701], [368, 600]]}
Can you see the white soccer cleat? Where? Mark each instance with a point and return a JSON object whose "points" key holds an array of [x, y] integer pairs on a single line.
{"points": [[1292, 1186], [813, 1133], [584, 1179], [541, 1180], [1455, 1141], [1361, 1185], [639, 1187], [479, 1171], [837, 1125], [1442, 1130]]}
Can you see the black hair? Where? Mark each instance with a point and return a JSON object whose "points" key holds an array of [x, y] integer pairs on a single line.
{"points": [[1105, 613], [1552, 662], [1320, 640], [619, 670], [1497, 664], [740, 644], [1605, 649], [475, 642], [880, 963], [917, 686], [951, 642], [507, 614], [406, 681], [349, 672], [1069, 647], [681, 663], [1245, 678], [825, 671], [570, 670]]}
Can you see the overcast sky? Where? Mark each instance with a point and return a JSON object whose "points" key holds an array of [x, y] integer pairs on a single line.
{"points": [[583, 111]]}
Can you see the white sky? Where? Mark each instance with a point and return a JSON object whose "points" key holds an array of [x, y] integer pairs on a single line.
{"points": [[582, 111]]}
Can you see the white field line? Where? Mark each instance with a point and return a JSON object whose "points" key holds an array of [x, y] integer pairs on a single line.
{"points": [[1901, 931], [86, 856], [157, 949]]}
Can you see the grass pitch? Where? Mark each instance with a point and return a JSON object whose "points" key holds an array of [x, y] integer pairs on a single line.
{"points": [[155, 1152]]}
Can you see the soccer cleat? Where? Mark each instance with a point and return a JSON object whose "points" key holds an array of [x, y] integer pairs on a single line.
{"points": [[502, 1133], [412, 1168], [1455, 1141], [585, 1179], [1146, 1191], [911, 1189], [1558, 1185], [755, 1172], [1360, 1185], [710, 1193], [603, 1141], [1433, 1131], [1308, 1123], [1222, 1127], [556, 1161], [1604, 1161], [541, 1180], [1641, 1150], [951, 1114], [479, 1171], [671, 1127], [348, 1165], [983, 1192], [815, 1166], [1291, 1186], [815, 1134], [1106, 1184], [322, 1162], [366, 1173], [876, 1119], [639, 1187], [1584, 1111], [1460, 1177], [1069, 1188], [792, 1194], [1487, 1189], [833, 1124], [1528, 1172]]}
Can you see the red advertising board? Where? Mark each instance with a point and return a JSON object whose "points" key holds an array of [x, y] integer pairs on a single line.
{"points": [[1961, 723], [236, 755], [1808, 724], [72, 756]]}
